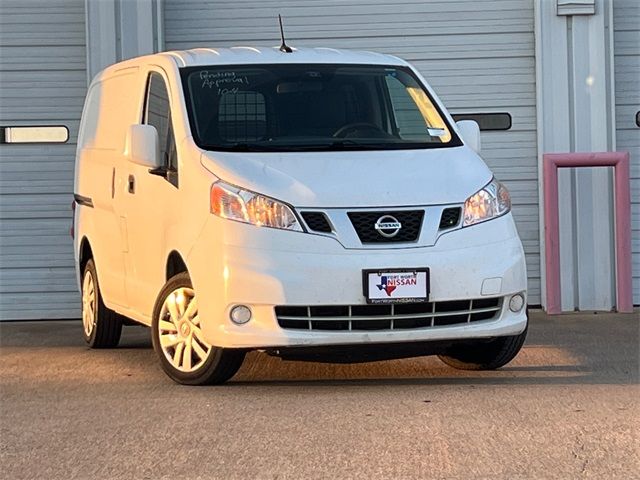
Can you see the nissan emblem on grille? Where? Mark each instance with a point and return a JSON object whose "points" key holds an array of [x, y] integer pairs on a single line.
{"points": [[387, 226]]}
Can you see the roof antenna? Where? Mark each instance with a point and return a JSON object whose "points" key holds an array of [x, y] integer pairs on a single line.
{"points": [[283, 46]]}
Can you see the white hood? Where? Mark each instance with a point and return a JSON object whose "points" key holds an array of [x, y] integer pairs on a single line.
{"points": [[389, 178]]}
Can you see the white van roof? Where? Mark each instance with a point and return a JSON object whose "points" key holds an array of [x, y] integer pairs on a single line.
{"points": [[271, 55]]}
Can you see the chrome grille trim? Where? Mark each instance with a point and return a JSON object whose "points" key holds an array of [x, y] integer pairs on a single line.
{"points": [[386, 317], [392, 317]]}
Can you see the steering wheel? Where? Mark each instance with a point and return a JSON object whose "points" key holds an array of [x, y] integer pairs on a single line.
{"points": [[344, 131]]}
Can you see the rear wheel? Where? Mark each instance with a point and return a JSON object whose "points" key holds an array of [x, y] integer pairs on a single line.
{"points": [[487, 355], [102, 327], [178, 340]]}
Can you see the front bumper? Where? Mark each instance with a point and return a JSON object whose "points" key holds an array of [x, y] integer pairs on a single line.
{"points": [[233, 263]]}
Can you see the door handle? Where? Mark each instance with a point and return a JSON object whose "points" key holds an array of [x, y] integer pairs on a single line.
{"points": [[132, 184]]}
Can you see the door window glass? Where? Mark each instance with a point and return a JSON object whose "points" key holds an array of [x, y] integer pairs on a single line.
{"points": [[414, 113], [158, 114]]}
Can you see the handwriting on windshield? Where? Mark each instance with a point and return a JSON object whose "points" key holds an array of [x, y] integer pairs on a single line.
{"points": [[225, 82]]}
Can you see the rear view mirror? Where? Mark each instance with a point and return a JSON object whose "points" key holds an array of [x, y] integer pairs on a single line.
{"points": [[470, 133], [299, 87], [142, 145]]}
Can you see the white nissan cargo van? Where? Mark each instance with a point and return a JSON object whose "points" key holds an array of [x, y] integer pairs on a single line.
{"points": [[316, 204]]}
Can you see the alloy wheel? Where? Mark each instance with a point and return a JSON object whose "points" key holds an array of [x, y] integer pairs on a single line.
{"points": [[88, 304], [179, 332]]}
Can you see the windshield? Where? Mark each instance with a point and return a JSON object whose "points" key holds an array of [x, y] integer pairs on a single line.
{"points": [[311, 108]]}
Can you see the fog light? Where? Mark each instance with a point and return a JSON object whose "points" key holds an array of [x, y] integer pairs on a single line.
{"points": [[516, 303], [240, 314]]}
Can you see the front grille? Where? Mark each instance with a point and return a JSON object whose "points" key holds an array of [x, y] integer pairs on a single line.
{"points": [[387, 317], [317, 221], [450, 217], [364, 224]]}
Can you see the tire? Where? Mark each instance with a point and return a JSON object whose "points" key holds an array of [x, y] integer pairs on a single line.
{"points": [[488, 355], [177, 339], [102, 327]]}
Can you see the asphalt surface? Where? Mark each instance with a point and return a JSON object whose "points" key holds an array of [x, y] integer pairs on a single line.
{"points": [[567, 407]]}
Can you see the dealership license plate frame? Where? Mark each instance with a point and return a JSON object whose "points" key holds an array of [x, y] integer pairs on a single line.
{"points": [[380, 271]]}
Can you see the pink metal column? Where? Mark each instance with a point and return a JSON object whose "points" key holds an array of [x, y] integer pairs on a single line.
{"points": [[620, 163]]}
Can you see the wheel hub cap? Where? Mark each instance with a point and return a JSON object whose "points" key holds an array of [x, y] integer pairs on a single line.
{"points": [[184, 329], [180, 336], [88, 304]]}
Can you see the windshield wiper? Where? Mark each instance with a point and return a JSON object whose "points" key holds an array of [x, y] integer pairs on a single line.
{"points": [[246, 147], [337, 145], [344, 142], [353, 145]]}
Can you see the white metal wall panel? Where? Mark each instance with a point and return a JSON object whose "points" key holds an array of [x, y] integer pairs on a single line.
{"points": [[42, 82], [626, 21], [477, 54]]}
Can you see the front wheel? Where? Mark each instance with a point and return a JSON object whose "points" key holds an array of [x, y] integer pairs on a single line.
{"points": [[177, 339], [485, 355]]}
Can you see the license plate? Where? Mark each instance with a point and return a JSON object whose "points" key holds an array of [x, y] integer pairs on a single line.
{"points": [[396, 285]]}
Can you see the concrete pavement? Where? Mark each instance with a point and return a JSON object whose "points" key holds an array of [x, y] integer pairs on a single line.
{"points": [[567, 407]]}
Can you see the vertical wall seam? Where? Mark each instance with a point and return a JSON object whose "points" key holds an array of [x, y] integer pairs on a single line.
{"points": [[612, 140], [154, 23], [87, 42], [573, 174], [159, 23], [611, 84], [540, 143], [571, 90], [118, 25]]}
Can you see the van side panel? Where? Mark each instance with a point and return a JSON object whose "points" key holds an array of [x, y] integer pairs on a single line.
{"points": [[111, 106]]}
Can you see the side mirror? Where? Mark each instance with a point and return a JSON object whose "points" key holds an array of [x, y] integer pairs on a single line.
{"points": [[142, 145], [470, 133]]}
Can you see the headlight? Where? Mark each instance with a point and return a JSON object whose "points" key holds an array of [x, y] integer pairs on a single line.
{"points": [[236, 204], [490, 202]]}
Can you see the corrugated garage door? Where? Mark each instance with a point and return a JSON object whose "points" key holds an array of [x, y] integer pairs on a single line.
{"points": [[626, 23], [477, 54], [42, 82]]}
